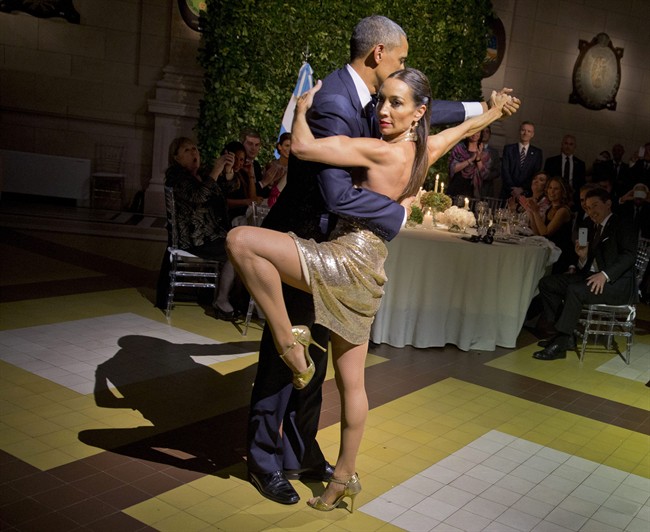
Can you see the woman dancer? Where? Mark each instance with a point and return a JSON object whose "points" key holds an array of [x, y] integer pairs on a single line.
{"points": [[345, 274]]}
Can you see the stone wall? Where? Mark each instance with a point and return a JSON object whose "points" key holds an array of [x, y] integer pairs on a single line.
{"points": [[67, 88], [542, 47]]}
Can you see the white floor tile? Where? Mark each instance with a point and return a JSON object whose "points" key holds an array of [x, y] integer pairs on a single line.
{"points": [[383, 509], [566, 519], [485, 508], [438, 510], [78, 347], [470, 484], [518, 520], [531, 506], [499, 483], [415, 522], [611, 517], [452, 496], [467, 521]]}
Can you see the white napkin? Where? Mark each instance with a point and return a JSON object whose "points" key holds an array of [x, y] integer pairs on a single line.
{"points": [[544, 242]]}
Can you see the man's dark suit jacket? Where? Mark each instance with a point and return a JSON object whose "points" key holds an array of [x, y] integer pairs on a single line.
{"points": [[554, 168], [615, 254], [515, 175], [619, 174]]}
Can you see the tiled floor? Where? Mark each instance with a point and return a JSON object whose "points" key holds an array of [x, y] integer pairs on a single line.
{"points": [[111, 418]]}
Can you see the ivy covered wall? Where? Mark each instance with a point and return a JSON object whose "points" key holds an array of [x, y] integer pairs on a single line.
{"points": [[252, 50]]}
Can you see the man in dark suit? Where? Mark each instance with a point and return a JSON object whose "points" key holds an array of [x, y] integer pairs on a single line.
{"points": [[640, 171], [615, 169], [567, 166], [283, 422], [520, 162], [605, 274]]}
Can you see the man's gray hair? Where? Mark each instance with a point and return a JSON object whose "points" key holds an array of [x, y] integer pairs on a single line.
{"points": [[374, 30]]}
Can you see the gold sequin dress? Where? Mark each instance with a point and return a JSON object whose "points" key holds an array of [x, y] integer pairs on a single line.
{"points": [[346, 276]]}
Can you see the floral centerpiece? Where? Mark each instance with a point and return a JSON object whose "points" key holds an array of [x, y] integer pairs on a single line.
{"points": [[425, 201], [436, 201], [456, 219]]}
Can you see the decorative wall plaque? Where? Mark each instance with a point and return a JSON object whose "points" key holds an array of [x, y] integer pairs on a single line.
{"points": [[43, 8], [190, 12], [597, 74], [496, 46]]}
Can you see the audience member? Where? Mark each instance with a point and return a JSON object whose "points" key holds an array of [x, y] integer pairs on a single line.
{"points": [[605, 274], [617, 170], [276, 170], [640, 170], [252, 141], [243, 191], [468, 166], [582, 219], [556, 223], [635, 208], [538, 194], [568, 167], [607, 183], [492, 181], [520, 162], [201, 212]]}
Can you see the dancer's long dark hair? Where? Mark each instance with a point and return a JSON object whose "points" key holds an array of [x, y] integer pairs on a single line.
{"points": [[421, 93]]}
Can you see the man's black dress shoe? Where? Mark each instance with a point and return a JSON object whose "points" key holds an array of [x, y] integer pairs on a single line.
{"points": [[551, 352], [321, 473], [274, 486], [571, 344]]}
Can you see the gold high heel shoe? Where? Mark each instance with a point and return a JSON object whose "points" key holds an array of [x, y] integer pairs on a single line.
{"points": [[303, 337], [352, 489]]}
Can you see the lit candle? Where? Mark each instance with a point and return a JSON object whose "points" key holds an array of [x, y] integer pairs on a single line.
{"points": [[466, 204], [428, 219], [436, 187]]}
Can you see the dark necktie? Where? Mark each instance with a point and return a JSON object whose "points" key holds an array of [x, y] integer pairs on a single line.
{"points": [[369, 111], [597, 234], [567, 170], [522, 156]]}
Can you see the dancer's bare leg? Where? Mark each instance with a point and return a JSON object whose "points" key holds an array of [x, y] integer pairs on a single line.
{"points": [[265, 259], [349, 364]]}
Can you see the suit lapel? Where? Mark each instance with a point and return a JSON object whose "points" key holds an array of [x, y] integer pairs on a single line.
{"points": [[346, 81]]}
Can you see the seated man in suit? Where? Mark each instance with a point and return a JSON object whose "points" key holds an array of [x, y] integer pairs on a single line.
{"points": [[605, 274], [571, 169]]}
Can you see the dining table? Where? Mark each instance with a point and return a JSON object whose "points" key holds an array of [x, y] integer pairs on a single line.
{"points": [[444, 289]]}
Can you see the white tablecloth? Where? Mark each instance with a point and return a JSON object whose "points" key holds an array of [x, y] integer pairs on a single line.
{"points": [[442, 289]]}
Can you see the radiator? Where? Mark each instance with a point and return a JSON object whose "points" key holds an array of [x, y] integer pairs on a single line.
{"points": [[45, 175]]}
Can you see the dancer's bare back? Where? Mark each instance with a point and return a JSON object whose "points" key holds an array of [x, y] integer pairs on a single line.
{"points": [[388, 164]]}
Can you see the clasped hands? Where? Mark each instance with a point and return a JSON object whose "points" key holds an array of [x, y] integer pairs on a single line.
{"points": [[503, 100]]}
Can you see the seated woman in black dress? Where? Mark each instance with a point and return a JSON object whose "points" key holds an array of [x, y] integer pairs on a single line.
{"points": [[201, 212], [556, 223]]}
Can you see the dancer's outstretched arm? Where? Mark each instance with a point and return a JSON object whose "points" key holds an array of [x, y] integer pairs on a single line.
{"points": [[367, 152], [442, 142]]}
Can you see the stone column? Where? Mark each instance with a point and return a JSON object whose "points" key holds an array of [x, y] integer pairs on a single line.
{"points": [[176, 111]]}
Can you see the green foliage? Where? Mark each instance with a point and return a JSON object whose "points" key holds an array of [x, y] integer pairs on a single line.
{"points": [[252, 50], [436, 201], [416, 216]]}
